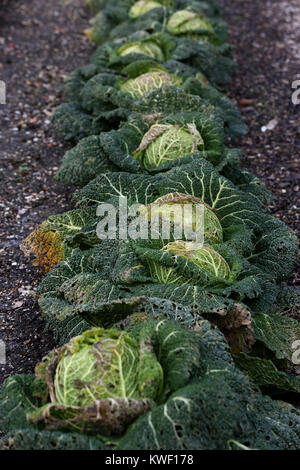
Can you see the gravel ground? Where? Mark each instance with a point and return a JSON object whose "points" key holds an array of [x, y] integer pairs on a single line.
{"points": [[38, 47], [266, 39]]}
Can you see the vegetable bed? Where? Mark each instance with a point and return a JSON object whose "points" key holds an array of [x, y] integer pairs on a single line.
{"points": [[188, 341]]}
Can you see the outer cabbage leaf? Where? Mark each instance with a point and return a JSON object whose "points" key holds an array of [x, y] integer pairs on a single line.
{"points": [[74, 82], [277, 243], [109, 187], [17, 398], [214, 62], [84, 162], [289, 302], [250, 183], [266, 376], [104, 21], [278, 334], [32, 439], [73, 123], [61, 319], [99, 95], [60, 235], [219, 401]]}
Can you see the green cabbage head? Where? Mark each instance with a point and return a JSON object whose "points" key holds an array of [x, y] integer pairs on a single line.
{"points": [[203, 256], [172, 206], [103, 379], [148, 48], [149, 81], [214, 267], [191, 25], [141, 7], [166, 142]]}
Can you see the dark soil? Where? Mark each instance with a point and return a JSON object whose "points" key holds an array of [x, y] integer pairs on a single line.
{"points": [[39, 45], [265, 36]]}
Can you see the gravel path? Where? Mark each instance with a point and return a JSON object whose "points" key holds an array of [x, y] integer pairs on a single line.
{"points": [[38, 47], [266, 37]]}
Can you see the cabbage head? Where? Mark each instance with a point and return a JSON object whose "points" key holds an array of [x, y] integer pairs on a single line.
{"points": [[103, 379], [141, 7], [166, 142], [207, 402], [192, 25], [148, 48], [172, 206], [204, 257], [149, 81]]}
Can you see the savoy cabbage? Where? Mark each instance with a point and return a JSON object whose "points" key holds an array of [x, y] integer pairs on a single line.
{"points": [[151, 120], [201, 405], [100, 96], [240, 220], [195, 20]]}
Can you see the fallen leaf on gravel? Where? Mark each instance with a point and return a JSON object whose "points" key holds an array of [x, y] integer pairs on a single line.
{"points": [[17, 304], [245, 102], [270, 126]]}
